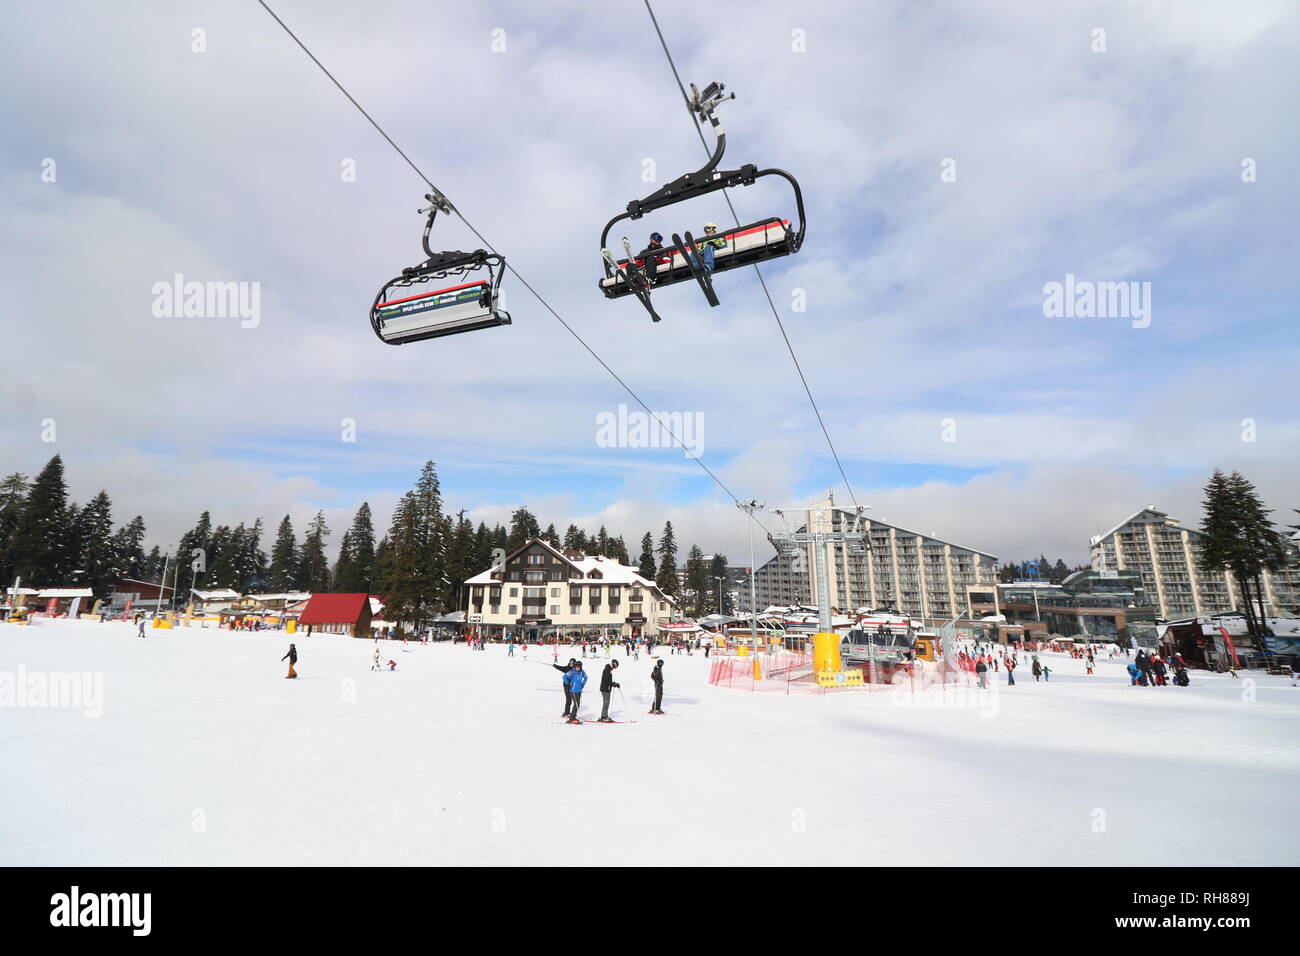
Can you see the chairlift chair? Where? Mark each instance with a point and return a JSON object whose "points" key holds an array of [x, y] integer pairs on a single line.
{"points": [[682, 261], [418, 304]]}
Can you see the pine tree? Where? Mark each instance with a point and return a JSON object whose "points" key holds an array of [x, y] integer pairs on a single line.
{"points": [[697, 582], [252, 562], [432, 544], [1237, 537], [415, 581], [128, 545], [153, 566], [356, 565], [313, 566], [42, 538], [13, 495], [646, 566], [667, 576], [193, 554], [482, 548], [98, 560], [283, 571], [1059, 572], [382, 568], [222, 557], [618, 550], [718, 569], [601, 544], [550, 536], [523, 527], [343, 576], [574, 540], [1265, 547], [398, 563], [460, 558]]}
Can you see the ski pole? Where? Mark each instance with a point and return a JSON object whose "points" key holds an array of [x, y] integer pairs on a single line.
{"points": [[624, 700]]}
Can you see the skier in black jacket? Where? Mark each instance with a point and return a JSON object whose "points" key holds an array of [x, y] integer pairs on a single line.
{"points": [[657, 675], [293, 659], [568, 698], [607, 685]]}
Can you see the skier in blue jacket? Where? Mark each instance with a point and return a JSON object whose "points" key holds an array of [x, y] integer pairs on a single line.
{"points": [[568, 698], [574, 681]]}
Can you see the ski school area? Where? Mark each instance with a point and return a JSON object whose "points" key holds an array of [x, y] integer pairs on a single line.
{"points": [[189, 747]]}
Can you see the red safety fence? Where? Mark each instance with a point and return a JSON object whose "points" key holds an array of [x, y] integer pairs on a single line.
{"points": [[786, 672]]}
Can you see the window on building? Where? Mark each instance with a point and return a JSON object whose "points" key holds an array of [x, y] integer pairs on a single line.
{"points": [[513, 610], [514, 592], [537, 559]]}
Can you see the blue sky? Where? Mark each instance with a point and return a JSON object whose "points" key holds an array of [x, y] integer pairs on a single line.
{"points": [[924, 297]]}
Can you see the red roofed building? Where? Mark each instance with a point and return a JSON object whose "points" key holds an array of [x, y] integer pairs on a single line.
{"points": [[337, 614]]}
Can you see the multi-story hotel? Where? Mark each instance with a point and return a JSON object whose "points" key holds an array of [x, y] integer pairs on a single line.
{"points": [[1167, 556], [916, 574], [540, 590]]}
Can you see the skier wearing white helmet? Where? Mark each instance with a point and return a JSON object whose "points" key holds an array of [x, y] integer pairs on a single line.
{"points": [[712, 242]]}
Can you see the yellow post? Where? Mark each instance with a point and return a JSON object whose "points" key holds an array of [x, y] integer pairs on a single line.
{"points": [[758, 670], [826, 652], [291, 627], [743, 651]]}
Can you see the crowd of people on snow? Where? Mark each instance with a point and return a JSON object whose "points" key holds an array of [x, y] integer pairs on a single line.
{"points": [[1148, 668], [1152, 670]]}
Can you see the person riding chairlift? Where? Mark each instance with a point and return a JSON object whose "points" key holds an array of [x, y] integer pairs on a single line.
{"points": [[650, 261], [709, 245]]}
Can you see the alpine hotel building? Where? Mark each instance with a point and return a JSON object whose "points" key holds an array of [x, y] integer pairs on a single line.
{"points": [[540, 590]]}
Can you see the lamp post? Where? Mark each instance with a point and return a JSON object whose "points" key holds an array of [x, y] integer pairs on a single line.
{"points": [[749, 507], [719, 580], [157, 607]]}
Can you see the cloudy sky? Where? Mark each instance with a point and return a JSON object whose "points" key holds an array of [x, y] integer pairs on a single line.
{"points": [[957, 406]]}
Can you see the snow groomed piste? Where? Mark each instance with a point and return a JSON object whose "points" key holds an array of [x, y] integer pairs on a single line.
{"points": [[458, 757]]}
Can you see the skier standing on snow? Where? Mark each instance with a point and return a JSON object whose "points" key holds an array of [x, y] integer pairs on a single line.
{"points": [[293, 659], [564, 682], [374, 660], [1037, 669], [574, 681], [657, 675], [982, 672], [142, 627], [607, 685]]}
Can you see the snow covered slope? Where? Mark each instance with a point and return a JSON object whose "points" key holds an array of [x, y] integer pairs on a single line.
{"points": [[205, 754]]}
